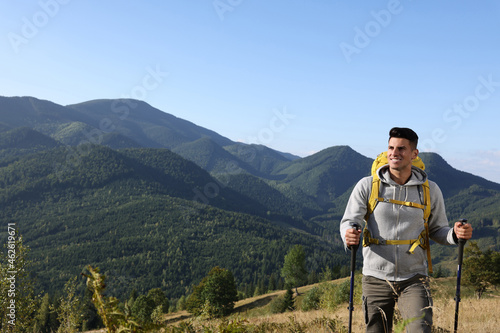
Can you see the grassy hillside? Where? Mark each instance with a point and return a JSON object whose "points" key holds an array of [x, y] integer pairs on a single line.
{"points": [[255, 315]]}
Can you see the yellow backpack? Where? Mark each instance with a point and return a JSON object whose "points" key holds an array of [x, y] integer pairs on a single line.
{"points": [[423, 238]]}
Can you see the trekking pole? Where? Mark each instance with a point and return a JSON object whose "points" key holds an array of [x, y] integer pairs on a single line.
{"points": [[354, 250], [461, 243]]}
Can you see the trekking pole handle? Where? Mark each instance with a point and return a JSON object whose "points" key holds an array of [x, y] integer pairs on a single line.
{"points": [[356, 227], [461, 240]]}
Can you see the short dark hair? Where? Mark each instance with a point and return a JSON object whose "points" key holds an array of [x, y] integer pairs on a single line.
{"points": [[405, 133]]}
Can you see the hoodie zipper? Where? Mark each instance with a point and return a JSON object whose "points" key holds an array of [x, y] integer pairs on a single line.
{"points": [[398, 189]]}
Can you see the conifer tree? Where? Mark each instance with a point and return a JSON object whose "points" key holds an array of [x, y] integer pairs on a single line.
{"points": [[289, 300], [69, 312], [91, 319], [46, 320], [181, 303], [272, 282]]}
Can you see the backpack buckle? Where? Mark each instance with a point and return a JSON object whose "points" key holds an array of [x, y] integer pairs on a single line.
{"points": [[366, 237]]}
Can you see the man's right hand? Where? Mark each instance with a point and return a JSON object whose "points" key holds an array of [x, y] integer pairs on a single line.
{"points": [[352, 237]]}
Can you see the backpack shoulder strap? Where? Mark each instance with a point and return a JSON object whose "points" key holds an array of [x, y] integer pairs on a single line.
{"points": [[373, 200], [427, 200], [427, 214]]}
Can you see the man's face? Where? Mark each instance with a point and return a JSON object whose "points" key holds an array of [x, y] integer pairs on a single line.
{"points": [[400, 154]]}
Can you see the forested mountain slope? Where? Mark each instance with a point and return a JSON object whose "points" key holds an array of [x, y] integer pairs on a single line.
{"points": [[137, 212]]}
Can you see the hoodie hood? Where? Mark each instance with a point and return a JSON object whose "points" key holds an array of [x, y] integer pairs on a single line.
{"points": [[418, 176]]}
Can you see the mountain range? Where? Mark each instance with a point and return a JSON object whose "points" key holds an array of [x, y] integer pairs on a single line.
{"points": [[156, 200]]}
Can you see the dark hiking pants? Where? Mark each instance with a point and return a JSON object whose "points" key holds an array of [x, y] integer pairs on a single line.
{"points": [[412, 296]]}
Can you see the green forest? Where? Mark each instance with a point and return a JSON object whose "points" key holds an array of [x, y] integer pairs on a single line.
{"points": [[132, 221]]}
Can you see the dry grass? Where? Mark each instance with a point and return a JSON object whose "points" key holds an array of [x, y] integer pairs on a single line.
{"points": [[306, 320], [480, 316], [475, 315]]}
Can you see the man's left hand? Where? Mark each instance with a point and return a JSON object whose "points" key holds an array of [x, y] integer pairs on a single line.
{"points": [[463, 231]]}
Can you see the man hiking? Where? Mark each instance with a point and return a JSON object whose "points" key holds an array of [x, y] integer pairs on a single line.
{"points": [[395, 238]]}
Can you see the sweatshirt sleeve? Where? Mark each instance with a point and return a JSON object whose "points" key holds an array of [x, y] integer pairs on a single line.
{"points": [[356, 206], [439, 228]]}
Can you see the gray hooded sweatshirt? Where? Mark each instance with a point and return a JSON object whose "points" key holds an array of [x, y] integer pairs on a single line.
{"points": [[396, 222]]}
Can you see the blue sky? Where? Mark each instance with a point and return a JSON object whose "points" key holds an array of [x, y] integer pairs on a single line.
{"points": [[297, 76]]}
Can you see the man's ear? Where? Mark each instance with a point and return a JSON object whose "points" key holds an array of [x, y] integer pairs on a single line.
{"points": [[414, 153]]}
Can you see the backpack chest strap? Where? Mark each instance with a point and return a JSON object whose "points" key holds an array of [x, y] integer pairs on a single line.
{"points": [[422, 241], [404, 203]]}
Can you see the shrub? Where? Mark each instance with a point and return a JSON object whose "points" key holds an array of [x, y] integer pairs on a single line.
{"points": [[342, 292], [215, 295], [143, 308], [327, 300], [311, 300], [158, 297]]}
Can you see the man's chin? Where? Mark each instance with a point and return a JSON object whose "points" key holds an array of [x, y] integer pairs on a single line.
{"points": [[395, 166]]}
